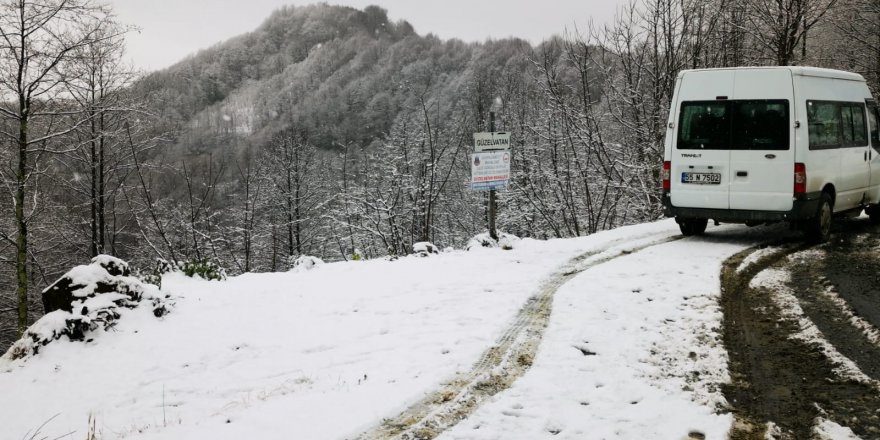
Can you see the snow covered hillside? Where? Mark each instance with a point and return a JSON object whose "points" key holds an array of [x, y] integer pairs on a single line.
{"points": [[327, 353]]}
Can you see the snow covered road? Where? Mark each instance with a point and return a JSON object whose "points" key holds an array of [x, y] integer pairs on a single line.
{"points": [[631, 350]]}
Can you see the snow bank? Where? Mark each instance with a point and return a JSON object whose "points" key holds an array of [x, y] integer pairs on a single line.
{"points": [[425, 248], [828, 430], [305, 262], [87, 298], [505, 241]]}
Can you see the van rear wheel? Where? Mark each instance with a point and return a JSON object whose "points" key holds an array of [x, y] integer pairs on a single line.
{"points": [[691, 227], [818, 228]]}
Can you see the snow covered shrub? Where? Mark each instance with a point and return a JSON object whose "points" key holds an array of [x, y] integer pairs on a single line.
{"points": [[357, 255], [85, 299], [205, 269], [155, 276], [149, 277], [505, 241], [304, 263], [164, 266], [425, 248]]}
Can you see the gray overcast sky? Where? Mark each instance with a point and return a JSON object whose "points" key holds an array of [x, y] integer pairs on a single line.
{"points": [[173, 29]]}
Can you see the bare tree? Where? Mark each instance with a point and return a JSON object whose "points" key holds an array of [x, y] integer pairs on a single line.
{"points": [[97, 80], [38, 40], [855, 40], [781, 26], [291, 163], [199, 205], [253, 179]]}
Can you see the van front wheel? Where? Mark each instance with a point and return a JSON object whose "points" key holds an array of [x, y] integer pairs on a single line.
{"points": [[691, 227], [818, 228]]}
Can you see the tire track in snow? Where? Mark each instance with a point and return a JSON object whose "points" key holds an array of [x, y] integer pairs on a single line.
{"points": [[507, 360], [786, 378]]}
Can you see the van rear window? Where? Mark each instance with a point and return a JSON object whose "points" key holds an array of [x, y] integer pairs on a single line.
{"points": [[734, 125]]}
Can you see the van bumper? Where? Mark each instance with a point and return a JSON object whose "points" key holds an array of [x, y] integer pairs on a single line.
{"points": [[804, 207]]}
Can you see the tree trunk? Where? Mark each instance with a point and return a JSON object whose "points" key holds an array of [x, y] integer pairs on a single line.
{"points": [[298, 201], [21, 268], [102, 189], [93, 167], [291, 247]]}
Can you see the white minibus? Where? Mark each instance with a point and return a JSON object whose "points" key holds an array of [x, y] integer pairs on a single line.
{"points": [[760, 145]]}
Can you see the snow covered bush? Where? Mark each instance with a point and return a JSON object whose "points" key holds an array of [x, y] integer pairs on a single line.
{"points": [[505, 241], [425, 248], [163, 266], [304, 263], [85, 299], [357, 255], [205, 269]]}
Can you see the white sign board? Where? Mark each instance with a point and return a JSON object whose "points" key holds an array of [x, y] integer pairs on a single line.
{"points": [[490, 170], [489, 141]]}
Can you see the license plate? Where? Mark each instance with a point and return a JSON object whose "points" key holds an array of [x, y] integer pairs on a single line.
{"points": [[701, 178]]}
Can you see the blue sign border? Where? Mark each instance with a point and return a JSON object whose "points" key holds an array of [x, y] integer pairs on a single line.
{"points": [[492, 184]]}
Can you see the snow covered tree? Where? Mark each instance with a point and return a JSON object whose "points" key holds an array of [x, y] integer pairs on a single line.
{"points": [[38, 41], [780, 27], [97, 84], [291, 167], [854, 39]]}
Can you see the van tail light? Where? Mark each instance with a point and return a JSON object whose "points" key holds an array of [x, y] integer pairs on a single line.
{"points": [[667, 171], [800, 178]]}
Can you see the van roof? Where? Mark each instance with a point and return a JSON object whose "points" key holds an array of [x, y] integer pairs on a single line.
{"points": [[795, 70]]}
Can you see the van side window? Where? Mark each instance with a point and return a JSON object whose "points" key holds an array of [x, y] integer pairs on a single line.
{"points": [[824, 124], [872, 123], [853, 118]]}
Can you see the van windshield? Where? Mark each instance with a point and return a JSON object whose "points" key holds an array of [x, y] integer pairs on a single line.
{"points": [[734, 125]]}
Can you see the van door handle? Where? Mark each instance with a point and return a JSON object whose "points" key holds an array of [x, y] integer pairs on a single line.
{"points": [[770, 156], [742, 174]]}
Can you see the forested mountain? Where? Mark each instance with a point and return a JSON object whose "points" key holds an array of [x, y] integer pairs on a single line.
{"points": [[372, 123], [315, 65], [333, 132]]}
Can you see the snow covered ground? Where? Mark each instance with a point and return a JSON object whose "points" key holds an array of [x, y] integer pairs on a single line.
{"points": [[328, 352], [633, 351]]}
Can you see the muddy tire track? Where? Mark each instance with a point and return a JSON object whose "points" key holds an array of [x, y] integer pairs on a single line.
{"points": [[821, 283], [777, 377], [853, 271], [502, 364]]}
